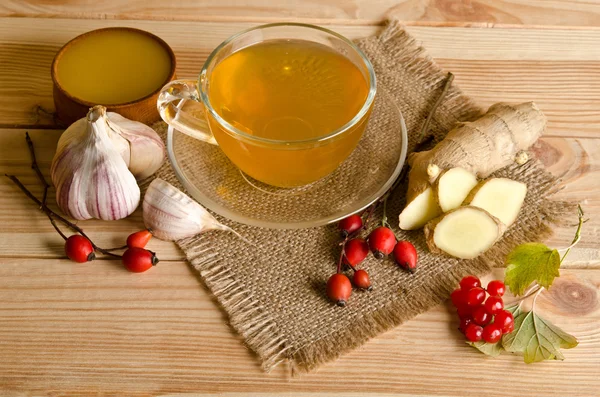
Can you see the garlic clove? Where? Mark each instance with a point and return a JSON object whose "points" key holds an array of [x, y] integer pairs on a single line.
{"points": [[147, 150], [90, 175], [172, 215]]}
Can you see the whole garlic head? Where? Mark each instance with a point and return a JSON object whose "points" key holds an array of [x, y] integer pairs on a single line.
{"points": [[89, 172]]}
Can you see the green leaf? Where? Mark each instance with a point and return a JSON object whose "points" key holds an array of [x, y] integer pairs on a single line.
{"points": [[490, 349], [537, 338], [530, 262], [514, 309]]}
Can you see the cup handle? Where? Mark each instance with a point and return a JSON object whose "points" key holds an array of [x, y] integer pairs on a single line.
{"points": [[179, 105]]}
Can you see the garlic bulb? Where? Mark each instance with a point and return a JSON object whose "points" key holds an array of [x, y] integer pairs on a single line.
{"points": [[90, 175], [146, 149], [172, 215]]}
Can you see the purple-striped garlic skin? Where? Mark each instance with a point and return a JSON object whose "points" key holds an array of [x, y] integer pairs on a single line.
{"points": [[91, 177]]}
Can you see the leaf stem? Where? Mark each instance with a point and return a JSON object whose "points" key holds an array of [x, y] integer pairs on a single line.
{"points": [[577, 234]]}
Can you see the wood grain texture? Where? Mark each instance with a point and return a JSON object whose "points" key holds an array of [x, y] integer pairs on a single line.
{"points": [[27, 232], [556, 68], [70, 329], [449, 12]]}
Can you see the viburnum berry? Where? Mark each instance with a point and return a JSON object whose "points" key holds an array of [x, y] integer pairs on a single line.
{"points": [[473, 332], [79, 249], [481, 316], [139, 239], [405, 255], [464, 311], [355, 251], [382, 242], [475, 296], [350, 224], [491, 333], [339, 289], [361, 280], [505, 320], [496, 288], [464, 323], [469, 282], [493, 304], [138, 260], [458, 297]]}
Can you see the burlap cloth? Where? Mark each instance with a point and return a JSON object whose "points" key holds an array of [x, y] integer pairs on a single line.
{"points": [[274, 294]]}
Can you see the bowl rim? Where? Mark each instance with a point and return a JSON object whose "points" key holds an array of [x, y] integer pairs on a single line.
{"points": [[113, 106]]}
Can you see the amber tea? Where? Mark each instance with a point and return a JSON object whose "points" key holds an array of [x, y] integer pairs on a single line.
{"points": [[287, 90]]}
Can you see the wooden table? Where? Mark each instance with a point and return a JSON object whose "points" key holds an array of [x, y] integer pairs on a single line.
{"points": [[94, 328]]}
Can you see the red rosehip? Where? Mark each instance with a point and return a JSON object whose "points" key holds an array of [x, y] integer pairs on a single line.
{"points": [[493, 304], [339, 289], [138, 260], [475, 296], [505, 320], [350, 224], [491, 333], [469, 282], [361, 280], [405, 255], [355, 251], [481, 316], [79, 249], [382, 242], [496, 288], [139, 239], [473, 332]]}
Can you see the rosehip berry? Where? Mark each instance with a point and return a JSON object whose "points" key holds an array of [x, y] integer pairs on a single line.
{"points": [[475, 296], [464, 323], [361, 280], [405, 255], [382, 242], [493, 304], [491, 333], [458, 298], [79, 249], [339, 289], [139, 239], [138, 260], [473, 332], [355, 251], [481, 316], [469, 282], [505, 320], [496, 288], [350, 224]]}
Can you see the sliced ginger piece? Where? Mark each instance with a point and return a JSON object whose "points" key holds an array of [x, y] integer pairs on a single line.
{"points": [[465, 232], [453, 186], [501, 197], [419, 211]]}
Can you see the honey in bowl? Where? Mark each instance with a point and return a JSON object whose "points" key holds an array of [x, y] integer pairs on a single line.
{"points": [[121, 68]]}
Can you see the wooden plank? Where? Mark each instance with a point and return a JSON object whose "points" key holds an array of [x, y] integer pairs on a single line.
{"points": [[481, 12], [27, 233], [490, 64], [83, 330]]}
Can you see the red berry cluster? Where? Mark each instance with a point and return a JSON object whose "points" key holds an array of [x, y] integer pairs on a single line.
{"points": [[136, 258], [381, 242], [481, 318]]}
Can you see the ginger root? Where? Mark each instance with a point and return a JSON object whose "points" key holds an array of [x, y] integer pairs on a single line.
{"points": [[500, 197], [482, 147], [452, 187], [465, 232]]}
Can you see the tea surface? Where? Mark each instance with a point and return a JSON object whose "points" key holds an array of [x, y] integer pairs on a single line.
{"points": [[287, 89]]}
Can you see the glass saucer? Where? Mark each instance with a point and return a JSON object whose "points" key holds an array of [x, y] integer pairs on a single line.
{"points": [[220, 186]]}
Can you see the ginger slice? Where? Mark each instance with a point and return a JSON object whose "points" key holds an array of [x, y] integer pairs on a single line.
{"points": [[419, 211], [501, 197], [453, 186]]}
